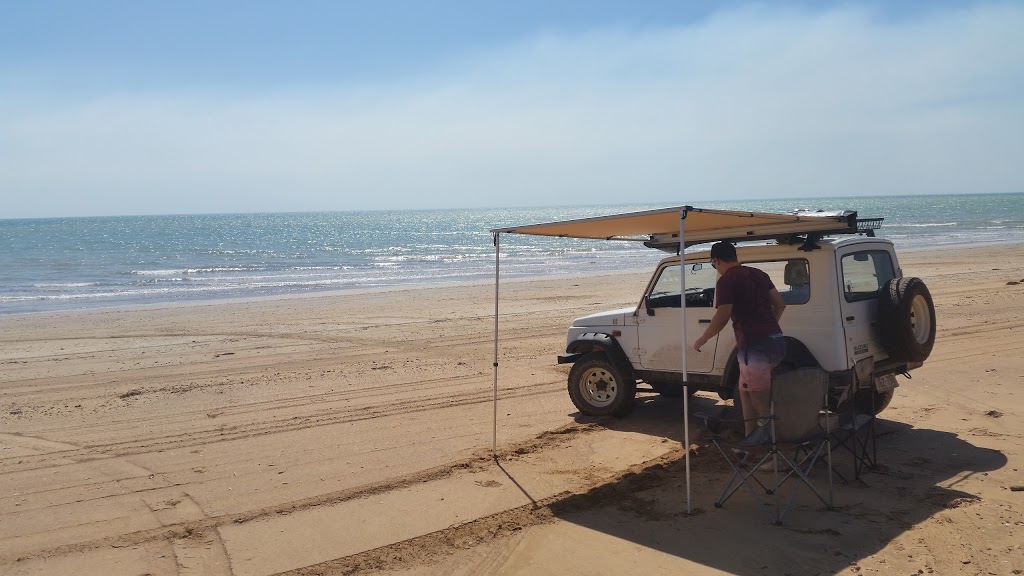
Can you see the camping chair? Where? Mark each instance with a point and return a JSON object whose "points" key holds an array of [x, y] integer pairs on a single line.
{"points": [[854, 431], [791, 438]]}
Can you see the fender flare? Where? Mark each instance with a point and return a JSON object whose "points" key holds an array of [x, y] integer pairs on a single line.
{"points": [[601, 342], [797, 356]]}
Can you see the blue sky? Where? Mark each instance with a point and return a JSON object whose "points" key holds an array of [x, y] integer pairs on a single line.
{"points": [[111, 108]]}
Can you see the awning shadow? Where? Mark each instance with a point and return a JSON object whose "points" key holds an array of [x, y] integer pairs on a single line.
{"points": [[917, 477]]}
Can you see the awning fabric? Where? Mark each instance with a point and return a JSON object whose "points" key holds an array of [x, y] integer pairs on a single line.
{"points": [[702, 225]]}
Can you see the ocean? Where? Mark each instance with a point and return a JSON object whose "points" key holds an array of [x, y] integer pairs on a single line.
{"points": [[51, 264]]}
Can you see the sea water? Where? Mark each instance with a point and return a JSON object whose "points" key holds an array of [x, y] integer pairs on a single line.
{"points": [[67, 263]]}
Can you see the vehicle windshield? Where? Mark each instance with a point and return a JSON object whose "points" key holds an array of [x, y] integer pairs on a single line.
{"points": [[700, 285]]}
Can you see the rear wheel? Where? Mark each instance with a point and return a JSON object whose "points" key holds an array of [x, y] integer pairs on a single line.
{"points": [[871, 401], [737, 406], [597, 387]]}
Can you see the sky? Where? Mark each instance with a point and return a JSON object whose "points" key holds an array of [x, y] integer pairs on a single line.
{"points": [[116, 108]]}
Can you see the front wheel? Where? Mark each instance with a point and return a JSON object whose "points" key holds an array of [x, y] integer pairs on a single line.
{"points": [[597, 387]]}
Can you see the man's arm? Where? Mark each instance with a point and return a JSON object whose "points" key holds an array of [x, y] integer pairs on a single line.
{"points": [[778, 304], [718, 321]]}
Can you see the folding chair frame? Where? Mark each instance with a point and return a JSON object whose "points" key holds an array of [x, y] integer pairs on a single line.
{"points": [[856, 435], [806, 454]]}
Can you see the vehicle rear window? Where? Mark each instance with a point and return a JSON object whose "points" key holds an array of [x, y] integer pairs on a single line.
{"points": [[865, 273], [791, 278]]}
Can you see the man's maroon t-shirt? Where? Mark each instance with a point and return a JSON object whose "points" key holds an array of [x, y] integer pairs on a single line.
{"points": [[747, 290]]}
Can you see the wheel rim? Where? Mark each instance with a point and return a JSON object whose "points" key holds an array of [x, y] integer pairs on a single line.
{"points": [[920, 319], [598, 387]]}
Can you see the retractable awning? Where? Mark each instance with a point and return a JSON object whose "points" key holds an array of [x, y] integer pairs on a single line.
{"points": [[661, 226], [668, 229]]}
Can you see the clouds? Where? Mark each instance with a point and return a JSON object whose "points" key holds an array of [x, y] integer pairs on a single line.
{"points": [[747, 103]]}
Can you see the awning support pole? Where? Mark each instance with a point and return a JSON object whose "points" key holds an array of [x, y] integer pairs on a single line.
{"points": [[682, 322], [497, 267]]}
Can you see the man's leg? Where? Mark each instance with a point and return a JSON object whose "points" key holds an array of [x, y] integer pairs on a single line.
{"points": [[755, 389], [755, 405]]}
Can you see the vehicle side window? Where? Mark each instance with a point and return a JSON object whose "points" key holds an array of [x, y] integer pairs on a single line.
{"points": [[865, 273], [791, 278], [700, 287]]}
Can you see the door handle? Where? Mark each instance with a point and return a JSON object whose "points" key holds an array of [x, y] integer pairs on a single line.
{"points": [[849, 318], [703, 321]]}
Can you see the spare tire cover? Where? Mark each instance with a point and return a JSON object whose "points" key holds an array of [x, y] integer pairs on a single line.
{"points": [[906, 319]]}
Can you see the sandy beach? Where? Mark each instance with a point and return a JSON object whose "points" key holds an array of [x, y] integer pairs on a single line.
{"points": [[352, 433]]}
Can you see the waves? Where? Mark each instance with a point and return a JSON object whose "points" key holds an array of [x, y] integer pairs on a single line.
{"points": [[98, 262]]}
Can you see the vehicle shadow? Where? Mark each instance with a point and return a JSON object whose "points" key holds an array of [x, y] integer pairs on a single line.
{"points": [[917, 477]]}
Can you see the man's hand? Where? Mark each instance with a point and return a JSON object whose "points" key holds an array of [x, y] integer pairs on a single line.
{"points": [[718, 321], [699, 342]]}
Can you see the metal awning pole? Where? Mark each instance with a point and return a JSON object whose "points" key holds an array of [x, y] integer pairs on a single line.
{"points": [[497, 268], [682, 322]]}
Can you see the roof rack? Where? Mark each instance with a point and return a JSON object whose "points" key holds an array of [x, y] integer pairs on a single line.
{"points": [[867, 226], [850, 224], [809, 241]]}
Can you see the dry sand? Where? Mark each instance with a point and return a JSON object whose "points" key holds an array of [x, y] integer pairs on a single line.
{"points": [[351, 433]]}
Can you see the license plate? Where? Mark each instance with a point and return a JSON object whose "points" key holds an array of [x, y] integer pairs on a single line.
{"points": [[886, 383]]}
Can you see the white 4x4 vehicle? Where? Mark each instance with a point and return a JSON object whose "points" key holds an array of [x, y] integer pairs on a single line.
{"points": [[849, 311]]}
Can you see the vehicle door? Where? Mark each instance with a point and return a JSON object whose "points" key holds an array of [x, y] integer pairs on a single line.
{"points": [[658, 318], [863, 272]]}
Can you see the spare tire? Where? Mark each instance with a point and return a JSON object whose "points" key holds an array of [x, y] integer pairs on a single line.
{"points": [[906, 319]]}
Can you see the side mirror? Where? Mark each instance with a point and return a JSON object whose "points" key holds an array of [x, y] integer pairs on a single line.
{"points": [[696, 267], [647, 303]]}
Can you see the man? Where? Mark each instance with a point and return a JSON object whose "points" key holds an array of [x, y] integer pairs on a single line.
{"points": [[747, 296]]}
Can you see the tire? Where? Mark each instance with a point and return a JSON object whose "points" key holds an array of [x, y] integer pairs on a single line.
{"points": [[870, 400], [597, 387], [730, 377], [731, 386], [906, 320], [864, 403], [737, 407]]}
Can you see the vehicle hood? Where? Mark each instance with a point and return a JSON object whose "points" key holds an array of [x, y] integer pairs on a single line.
{"points": [[609, 318]]}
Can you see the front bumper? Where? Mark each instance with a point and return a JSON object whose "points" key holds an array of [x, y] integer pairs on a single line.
{"points": [[569, 358]]}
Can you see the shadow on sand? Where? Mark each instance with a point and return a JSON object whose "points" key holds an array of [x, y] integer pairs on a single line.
{"points": [[917, 476]]}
